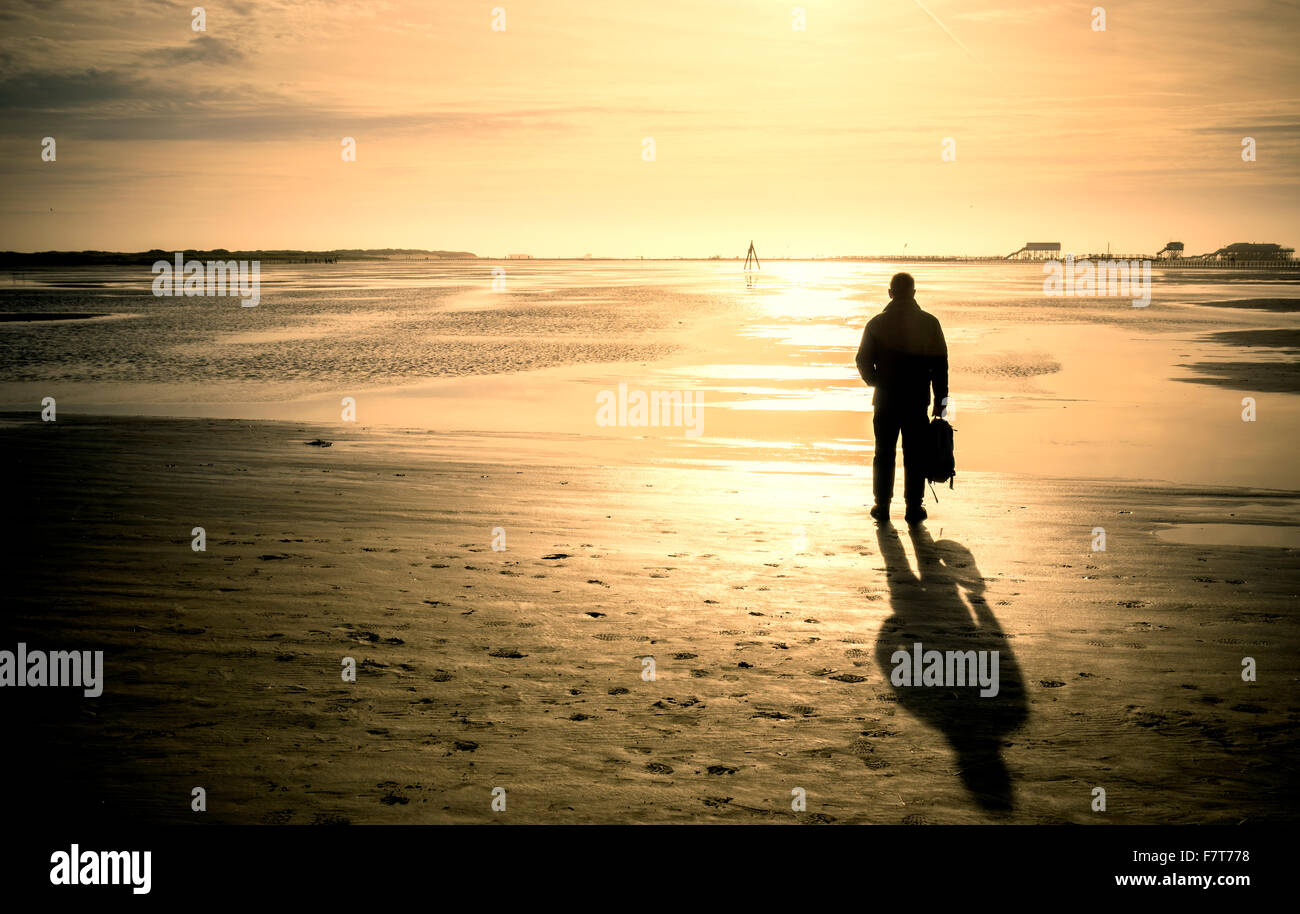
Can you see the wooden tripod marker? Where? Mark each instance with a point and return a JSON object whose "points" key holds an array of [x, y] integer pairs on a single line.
{"points": [[754, 254]]}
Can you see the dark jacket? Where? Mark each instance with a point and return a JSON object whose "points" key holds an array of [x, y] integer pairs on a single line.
{"points": [[902, 354]]}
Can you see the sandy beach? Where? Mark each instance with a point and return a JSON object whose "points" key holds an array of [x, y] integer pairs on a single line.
{"points": [[441, 417], [767, 600]]}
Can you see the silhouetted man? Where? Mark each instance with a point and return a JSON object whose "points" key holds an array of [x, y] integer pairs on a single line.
{"points": [[902, 354]]}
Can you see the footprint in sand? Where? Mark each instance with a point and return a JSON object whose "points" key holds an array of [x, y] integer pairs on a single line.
{"points": [[865, 751], [181, 630]]}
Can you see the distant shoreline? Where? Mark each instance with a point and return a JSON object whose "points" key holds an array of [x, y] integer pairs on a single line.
{"points": [[11, 261]]}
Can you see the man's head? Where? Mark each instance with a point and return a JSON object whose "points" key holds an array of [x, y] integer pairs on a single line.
{"points": [[902, 287]]}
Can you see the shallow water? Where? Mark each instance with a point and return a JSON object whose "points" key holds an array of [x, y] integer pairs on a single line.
{"points": [[1231, 535], [398, 321], [1060, 386], [373, 323]]}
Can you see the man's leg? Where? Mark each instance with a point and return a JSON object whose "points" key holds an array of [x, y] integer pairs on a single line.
{"points": [[882, 465], [915, 430]]}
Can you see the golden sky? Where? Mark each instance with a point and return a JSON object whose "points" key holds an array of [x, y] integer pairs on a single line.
{"points": [[816, 142]]}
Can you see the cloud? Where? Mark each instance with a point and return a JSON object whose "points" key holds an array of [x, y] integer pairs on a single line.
{"points": [[204, 49], [1286, 130], [41, 91], [1011, 14], [112, 105]]}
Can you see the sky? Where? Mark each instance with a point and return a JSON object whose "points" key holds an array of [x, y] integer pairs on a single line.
{"points": [[822, 141]]}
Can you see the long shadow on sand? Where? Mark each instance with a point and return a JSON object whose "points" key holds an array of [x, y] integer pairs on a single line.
{"points": [[929, 609]]}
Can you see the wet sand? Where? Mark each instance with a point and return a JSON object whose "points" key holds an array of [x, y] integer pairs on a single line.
{"points": [[767, 599], [11, 317], [1287, 305]]}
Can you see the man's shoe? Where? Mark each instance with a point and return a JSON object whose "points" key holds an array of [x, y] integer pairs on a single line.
{"points": [[915, 514], [880, 513]]}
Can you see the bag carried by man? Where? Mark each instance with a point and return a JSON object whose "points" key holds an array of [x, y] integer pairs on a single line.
{"points": [[941, 464]]}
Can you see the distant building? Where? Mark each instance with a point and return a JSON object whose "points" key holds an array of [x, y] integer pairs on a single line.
{"points": [[519, 257], [1171, 251], [1249, 250], [1037, 250]]}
